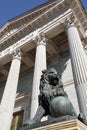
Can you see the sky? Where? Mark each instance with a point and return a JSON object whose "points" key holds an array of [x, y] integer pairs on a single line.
{"points": [[84, 4], [12, 8]]}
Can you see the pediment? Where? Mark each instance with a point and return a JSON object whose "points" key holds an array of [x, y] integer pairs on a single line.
{"points": [[22, 20]]}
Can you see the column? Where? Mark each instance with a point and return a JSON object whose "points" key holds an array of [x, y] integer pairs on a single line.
{"points": [[79, 64], [40, 64], [8, 99]]}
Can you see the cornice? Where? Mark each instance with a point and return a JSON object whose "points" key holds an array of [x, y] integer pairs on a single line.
{"points": [[34, 10], [79, 12]]}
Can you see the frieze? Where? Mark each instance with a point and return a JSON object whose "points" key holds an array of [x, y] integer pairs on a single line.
{"points": [[8, 34], [10, 49]]}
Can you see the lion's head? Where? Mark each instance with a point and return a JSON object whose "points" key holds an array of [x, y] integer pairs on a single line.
{"points": [[51, 76]]}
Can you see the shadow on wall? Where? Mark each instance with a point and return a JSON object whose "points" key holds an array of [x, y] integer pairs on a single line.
{"points": [[25, 84], [60, 65]]}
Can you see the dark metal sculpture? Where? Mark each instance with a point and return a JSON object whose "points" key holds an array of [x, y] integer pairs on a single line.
{"points": [[53, 101]]}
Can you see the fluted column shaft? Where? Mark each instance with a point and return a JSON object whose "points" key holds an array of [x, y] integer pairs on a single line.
{"points": [[8, 99], [79, 65], [40, 64]]}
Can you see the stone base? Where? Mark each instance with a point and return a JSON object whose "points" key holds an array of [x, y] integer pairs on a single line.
{"points": [[66, 125], [45, 123], [73, 124]]}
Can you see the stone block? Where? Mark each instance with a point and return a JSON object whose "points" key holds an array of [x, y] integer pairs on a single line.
{"points": [[66, 125]]}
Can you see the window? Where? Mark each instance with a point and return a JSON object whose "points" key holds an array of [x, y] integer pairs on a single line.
{"points": [[17, 120]]}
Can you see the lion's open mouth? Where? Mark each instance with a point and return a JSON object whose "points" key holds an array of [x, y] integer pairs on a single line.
{"points": [[53, 80]]}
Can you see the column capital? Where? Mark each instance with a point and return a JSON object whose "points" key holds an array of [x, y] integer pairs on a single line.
{"points": [[84, 42], [17, 54], [40, 38], [70, 21]]}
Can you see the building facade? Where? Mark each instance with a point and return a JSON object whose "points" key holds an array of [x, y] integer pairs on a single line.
{"points": [[50, 35]]}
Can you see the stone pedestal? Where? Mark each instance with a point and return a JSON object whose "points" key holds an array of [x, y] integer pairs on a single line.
{"points": [[73, 124], [66, 125]]}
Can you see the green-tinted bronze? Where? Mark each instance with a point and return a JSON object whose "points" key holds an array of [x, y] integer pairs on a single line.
{"points": [[53, 101]]}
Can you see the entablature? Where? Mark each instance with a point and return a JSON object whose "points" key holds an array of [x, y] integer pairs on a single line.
{"points": [[52, 11], [78, 10], [51, 29]]}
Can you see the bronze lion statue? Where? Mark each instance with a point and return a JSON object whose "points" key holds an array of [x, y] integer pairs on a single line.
{"points": [[53, 100]]}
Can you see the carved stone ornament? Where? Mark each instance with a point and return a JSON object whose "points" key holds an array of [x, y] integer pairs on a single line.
{"points": [[84, 42], [70, 21], [17, 54], [39, 38]]}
